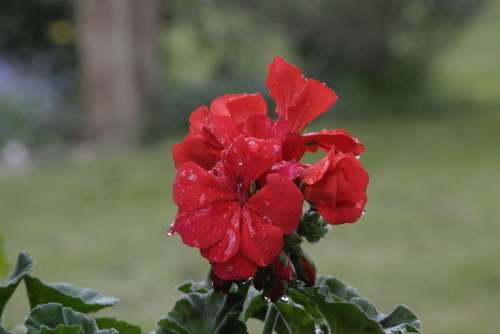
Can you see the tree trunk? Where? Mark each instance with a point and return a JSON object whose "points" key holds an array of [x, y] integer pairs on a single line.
{"points": [[117, 53]]}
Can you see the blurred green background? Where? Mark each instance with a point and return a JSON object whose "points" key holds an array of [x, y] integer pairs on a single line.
{"points": [[85, 166]]}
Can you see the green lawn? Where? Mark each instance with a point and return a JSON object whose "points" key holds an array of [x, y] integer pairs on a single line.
{"points": [[429, 239]]}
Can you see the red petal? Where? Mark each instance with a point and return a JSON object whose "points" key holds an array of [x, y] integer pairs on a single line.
{"points": [[198, 119], [293, 146], [316, 99], [260, 242], [237, 268], [219, 104], [245, 106], [314, 173], [285, 83], [229, 244], [279, 202], [195, 188], [298, 100], [248, 158], [223, 129], [197, 149], [340, 195], [340, 140], [204, 227], [289, 169], [345, 213], [258, 126]]}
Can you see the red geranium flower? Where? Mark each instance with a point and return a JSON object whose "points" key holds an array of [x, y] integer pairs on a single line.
{"points": [[336, 185], [236, 229]]}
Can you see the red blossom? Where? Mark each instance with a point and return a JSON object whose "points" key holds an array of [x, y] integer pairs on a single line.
{"points": [[237, 231], [239, 172], [336, 185]]}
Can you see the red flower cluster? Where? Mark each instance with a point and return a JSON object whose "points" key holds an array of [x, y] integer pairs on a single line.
{"points": [[240, 185]]}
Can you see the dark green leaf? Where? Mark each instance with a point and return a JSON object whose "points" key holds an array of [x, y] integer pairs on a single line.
{"points": [[204, 313], [79, 299], [338, 308], [62, 329], [193, 287], [294, 318], [50, 316], [368, 308], [23, 267], [253, 305], [4, 331], [401, 320], [121, 326], [337, 287], [311, 308]]}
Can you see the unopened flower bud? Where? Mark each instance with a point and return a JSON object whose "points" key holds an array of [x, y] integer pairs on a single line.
{"points": [[312, 226], [306, 270], [283, 268]]}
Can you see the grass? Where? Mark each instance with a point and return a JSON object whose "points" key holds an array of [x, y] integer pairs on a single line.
{"points": [[429, 238]]}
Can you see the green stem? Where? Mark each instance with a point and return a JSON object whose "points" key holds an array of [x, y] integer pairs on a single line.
{"points": [[271, 319]]}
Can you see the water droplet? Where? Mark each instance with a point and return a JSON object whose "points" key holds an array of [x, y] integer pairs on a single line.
{"points": [[363, 212], [252, 146], [170, 231], [285, 299], [201, 199]]}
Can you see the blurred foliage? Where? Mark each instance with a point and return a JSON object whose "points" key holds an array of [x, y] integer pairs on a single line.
{"points": [[31, 29], [387, 43], [375, 54]]}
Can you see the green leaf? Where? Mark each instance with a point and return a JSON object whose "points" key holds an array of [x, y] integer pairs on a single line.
{"points": [[294, 318], [337, 287], [205, 313], [61, 329], [253, 306], [121, 326], [79, 299], [51, 316], [401, 320], [193, 287], [311, 308], [338, 308], [23, 267], [3, 330]]}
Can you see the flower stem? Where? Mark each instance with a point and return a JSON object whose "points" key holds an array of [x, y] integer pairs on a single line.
{"points": [[271, 319]]}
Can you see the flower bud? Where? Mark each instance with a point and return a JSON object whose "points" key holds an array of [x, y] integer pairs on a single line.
{"points": [[312, 226], [307, 270], [283, 268]]}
